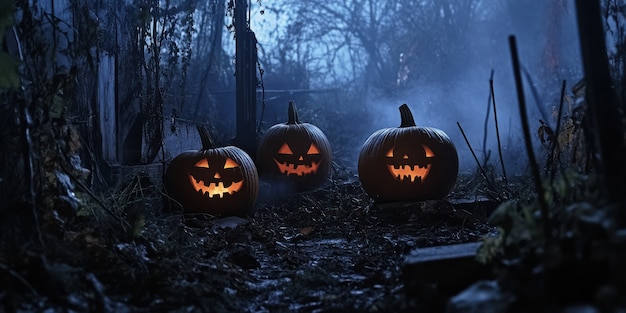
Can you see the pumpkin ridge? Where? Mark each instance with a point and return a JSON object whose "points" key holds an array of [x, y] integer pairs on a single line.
{"points": [[212, 187], [407, 163], [295, 168]]}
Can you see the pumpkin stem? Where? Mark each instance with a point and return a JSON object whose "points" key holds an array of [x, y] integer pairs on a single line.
{"points": [[207, 141], [406, 116], [292, 113]]}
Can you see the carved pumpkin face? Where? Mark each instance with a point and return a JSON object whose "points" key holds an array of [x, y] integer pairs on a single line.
{"points": [[408, 163], [295, 154], [218, 181], [411, 164], [298, 163]]}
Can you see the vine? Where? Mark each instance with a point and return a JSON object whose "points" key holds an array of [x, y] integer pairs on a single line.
{"points": [[163, 25]]}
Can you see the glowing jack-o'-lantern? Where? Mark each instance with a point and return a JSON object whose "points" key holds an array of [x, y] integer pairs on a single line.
{"points": [[214, 186], [296, 154], [288, 165], [410, 168], [408, 163], [219, 181]]}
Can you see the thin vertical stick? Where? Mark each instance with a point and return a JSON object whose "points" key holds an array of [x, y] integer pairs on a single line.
{"points": [[482, 172], [495, 117], [555, 141], [487, 122], [545, 216]]}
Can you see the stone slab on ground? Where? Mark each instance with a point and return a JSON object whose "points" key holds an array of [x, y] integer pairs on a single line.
{"points": [[442, 269]]}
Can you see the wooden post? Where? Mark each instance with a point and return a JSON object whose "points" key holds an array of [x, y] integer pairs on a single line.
{"points": [[245, 73], [605, 130]]}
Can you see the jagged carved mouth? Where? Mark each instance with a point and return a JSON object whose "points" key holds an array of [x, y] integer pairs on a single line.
{"points": [[215, 189], [297, 169], [409, 173]]}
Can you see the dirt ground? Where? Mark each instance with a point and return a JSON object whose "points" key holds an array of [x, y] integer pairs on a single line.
{"points": [[327, 250]]}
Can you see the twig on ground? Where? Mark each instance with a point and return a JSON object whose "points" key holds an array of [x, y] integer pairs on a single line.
{"points": [[482, 171]]}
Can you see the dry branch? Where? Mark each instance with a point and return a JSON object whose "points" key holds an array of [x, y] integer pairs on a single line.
{"points": [[545, 215]]}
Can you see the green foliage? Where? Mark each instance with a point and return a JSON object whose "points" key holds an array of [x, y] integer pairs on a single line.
{"points": [[6, 16], [577, 261], [41, 148], [9, 76], [519, 221], [122, 212]]}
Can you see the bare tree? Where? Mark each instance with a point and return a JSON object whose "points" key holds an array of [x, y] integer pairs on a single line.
{"points": [[380, 43]]}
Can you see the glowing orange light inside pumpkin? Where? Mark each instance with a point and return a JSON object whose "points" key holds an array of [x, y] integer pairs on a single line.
{"points": [[215, 189], [297, 169], [410, 172], [202, 163], [284, 149], [429, 153], [230, 164], [313, 150]]}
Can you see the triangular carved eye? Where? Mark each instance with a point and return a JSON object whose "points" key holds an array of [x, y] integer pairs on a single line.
{"points": [[389, 153], [202, 163], [429, 153], [230, 164], [284, 149], [313, 150]]}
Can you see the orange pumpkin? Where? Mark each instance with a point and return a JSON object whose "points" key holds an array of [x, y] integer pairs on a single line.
{"points": [[214, 180], [408, 163], [295, 154]]}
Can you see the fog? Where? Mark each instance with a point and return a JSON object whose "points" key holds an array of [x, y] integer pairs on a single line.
{"points": [[462, 91], [349, 78]]}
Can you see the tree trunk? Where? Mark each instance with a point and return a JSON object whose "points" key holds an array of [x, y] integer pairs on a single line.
{"points": [[605, 131]]}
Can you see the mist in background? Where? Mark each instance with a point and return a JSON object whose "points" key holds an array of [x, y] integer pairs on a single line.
{"points": [[350, 64], [441, 71]]}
